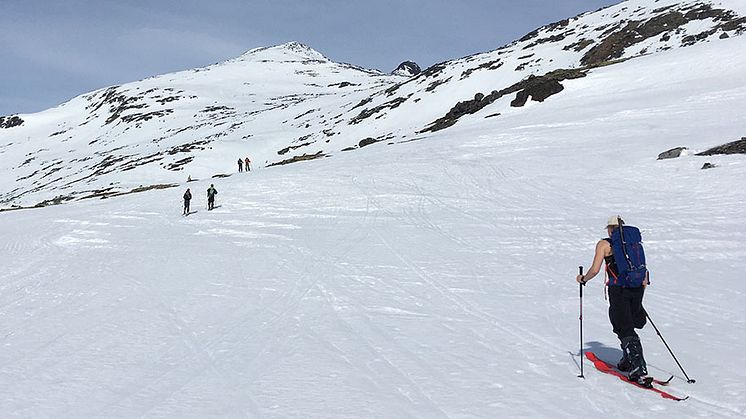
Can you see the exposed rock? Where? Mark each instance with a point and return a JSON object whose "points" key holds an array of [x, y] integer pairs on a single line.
{"points": [[547, 28], [139, 117], [737, 25], [343, 84], [433, 70], [407, 69], [167, 99], [538, 91], [299, 158], [553, 38], [735, 147], [366, 141], [626, 34], [363, 102], [54, 201], [708, 165], [538, 88], [693, 39], [10, 121], [310, 111], [579, 46], [293, 147], [489, 65], [614, 45], [436, 83], [672, 153], [366, 113], [179, 164]]}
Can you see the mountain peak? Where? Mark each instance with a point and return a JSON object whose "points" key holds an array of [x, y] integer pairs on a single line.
{"points": [[407, 69], [289, 51]]}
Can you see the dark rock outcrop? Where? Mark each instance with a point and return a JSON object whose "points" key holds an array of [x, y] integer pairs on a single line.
{"points": [[366, 141], [407, 69], [538, 88], [295, 159], [10, 121], [672, 153], [367, 113], [618, 39], [538, 91], [735, 147], [708, 165], [614, 45]]}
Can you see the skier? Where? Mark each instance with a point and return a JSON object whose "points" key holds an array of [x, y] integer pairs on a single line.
{"points": [[187, 198], [246, 163], [211, 192], [625, 306], [240, 165]]}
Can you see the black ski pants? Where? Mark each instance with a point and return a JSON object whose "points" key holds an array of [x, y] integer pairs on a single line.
{"points": [[625, 310]]}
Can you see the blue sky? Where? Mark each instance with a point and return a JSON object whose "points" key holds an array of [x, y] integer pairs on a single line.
{"points": [[55, 50]]}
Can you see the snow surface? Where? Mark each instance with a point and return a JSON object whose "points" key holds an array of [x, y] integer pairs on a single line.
{"points": [[429, 279]]}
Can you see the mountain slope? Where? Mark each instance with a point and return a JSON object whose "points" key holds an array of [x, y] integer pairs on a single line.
{"points": [[430, 279], [286, 103]]}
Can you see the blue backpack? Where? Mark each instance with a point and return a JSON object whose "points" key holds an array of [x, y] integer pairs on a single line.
{"points": [[626, 245]]}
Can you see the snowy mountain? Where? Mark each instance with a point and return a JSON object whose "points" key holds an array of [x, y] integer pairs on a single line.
{"points": [[285, 103], [407, 69], [429, 278]]}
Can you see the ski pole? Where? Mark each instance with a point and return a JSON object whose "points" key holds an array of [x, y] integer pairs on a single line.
{"points": [[688, 380], [580, 286]]}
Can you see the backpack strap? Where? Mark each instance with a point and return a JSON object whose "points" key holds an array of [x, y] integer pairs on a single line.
{"points": [[606, 283], [624, 244]]}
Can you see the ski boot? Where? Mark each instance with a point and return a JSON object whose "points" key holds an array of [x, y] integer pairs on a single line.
{"points": [[638, 369], [623, 365]]}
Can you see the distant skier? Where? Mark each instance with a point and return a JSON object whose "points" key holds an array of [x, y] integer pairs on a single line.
{"points": [[211, 192], [626, 288], [187, 199], [240, 165], [246, 163]]}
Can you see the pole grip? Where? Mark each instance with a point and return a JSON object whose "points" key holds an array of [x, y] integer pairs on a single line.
{"points": [[580, 270]]}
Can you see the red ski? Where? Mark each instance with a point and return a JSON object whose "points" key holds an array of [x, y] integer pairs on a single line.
{"points": [[609, 369]]}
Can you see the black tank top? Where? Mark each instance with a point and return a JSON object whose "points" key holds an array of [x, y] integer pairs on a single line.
{"points": [[611, 268]]}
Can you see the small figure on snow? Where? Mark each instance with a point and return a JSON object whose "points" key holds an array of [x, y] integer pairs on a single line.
{"points": [[187, 199], [240, 165], [211, 192], [246, 163], [626, 288]]}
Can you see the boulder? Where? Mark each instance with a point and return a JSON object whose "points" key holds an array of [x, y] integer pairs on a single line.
{"points": [[366, 141], [672, 153]]}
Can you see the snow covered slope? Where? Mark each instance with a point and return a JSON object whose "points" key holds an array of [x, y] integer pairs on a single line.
{"points": [[286, 103], [428, 279]]}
